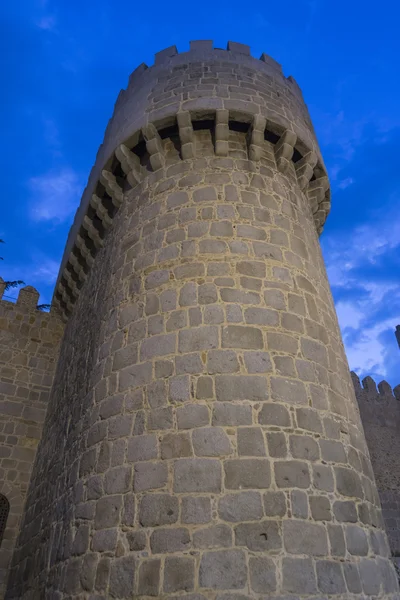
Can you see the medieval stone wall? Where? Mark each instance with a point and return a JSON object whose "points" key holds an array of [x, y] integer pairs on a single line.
{"points": [[380, 413], [203, 435], [29, 342]]}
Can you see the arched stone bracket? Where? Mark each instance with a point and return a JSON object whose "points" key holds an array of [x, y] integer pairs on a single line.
{"points": [[287, 150]]}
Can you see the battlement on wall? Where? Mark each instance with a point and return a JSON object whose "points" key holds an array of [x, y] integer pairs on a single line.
{"points": [[379, 404], [204, 48], [27, 303]]}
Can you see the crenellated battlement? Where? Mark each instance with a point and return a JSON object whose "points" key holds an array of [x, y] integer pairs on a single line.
{"points": [[26, 301], [205, 88], [379, 403]]}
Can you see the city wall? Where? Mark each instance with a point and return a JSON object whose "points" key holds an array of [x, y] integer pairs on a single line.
{"points": [[29, 345]]}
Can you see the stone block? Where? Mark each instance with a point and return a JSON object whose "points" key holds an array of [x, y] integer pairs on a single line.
{"points": [[352, 577], [107, 512], [211, 441], [238, 336], [274, 414], [158, 509], [257, 362], [330, 577], [304, 446], [122, 577], [143, 447], [137, 540], [149, 476], [348, 483], [263, 536], [292, 473], [291, 391], [243, 506], [241, 387], [302, 537], [179, 389], [160, 418], [192, 415], [205, 388], [196, 509], [323, 477], [345, 511], [247, 473], [149, 577], [277, 447], [215, 536], [356, 540], [169, 540], [222, 361], [309, 419], [298, 576], [175, 445], [104, 540], [178, 574], [197, 475], [229, 414], [299, 504], [198, 338], [118, 480], [320, 508], [262, 573], [274, 504], [221, 570], [250, 441], [189, 363]]}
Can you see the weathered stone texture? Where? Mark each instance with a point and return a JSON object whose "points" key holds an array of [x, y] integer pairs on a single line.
{"points": [[204, 427], [29, 343]]}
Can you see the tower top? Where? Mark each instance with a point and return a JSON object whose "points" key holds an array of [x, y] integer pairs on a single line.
{"points": [[199, 86]]}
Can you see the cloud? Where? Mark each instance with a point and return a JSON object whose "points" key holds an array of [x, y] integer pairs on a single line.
{"points": [[47, 23], [55, 195], [367, 293], [344, 183]]}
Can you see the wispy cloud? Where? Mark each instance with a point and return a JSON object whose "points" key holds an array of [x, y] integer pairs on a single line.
{"points": [[55, 195], [344, 183], [367, 301], [47, 23]]}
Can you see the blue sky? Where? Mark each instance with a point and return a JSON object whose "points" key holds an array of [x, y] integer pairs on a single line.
{"points": [[65, 62]]}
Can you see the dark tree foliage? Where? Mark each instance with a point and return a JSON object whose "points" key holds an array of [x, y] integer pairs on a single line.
{"points": [[11, 284]]}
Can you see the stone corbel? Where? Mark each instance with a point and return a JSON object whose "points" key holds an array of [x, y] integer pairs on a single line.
{"points": [[84, 250], [71, 282], [316, 192], [154, 146], [305, 169], [222, 132], [113, 189], [284, 149], [92, 232], [186, 135], [77, 267], [97, 204], [255, 137], [130, 164], [65, 297]]}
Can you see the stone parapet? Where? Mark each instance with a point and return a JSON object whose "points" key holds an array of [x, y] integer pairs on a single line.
{"points": [[380, 412]]}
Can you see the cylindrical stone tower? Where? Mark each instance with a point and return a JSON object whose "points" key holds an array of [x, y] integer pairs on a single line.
{"points": [[203, 440]]}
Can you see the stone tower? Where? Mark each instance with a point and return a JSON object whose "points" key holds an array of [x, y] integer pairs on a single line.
{"points": [[202, 440]]}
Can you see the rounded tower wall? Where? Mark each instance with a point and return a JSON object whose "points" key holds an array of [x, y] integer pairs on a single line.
{"points": [[203, 435]]}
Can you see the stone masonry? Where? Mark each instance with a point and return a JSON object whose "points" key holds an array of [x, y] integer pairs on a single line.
{"points": [[29, 342], [202, 439], [380, 413]]}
